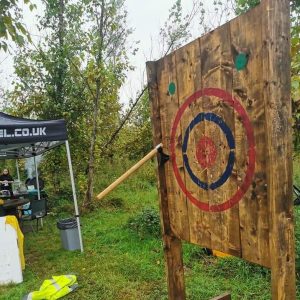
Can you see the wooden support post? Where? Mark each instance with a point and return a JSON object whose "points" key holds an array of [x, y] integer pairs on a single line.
{"points": [[133, 169], [172, 245], [276, 63]]}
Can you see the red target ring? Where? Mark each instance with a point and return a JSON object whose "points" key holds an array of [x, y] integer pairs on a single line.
{"points": [[207, 159]]}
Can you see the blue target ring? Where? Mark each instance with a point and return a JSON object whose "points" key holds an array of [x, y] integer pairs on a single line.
{"points": [[231, 144]]}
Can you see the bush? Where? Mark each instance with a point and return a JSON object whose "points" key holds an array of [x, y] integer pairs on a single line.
{"points": [[296, 170], [115, 203], [61, 205], [147, 222]]}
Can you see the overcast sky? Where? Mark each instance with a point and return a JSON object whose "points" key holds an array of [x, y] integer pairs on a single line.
{"points": [[145, 16]]}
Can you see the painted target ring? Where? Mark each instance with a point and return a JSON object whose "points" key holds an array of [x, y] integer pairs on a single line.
{"points": [[230, 140], [206, 150]]}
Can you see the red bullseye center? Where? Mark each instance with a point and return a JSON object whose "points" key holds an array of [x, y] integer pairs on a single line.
{"points": [[206, 152]]}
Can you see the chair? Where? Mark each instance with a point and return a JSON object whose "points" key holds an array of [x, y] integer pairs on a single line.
{"points": [[5, 193], [36, 211], [297, 193]]}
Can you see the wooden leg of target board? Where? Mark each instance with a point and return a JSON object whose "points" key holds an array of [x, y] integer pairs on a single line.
{"points": [[175, 273], [172, 244]]}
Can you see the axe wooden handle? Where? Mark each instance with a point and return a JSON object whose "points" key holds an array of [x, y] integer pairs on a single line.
{"points": [[129, 172]]}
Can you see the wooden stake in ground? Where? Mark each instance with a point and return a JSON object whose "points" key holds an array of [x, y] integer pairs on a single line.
{"points": [[133, 169]]}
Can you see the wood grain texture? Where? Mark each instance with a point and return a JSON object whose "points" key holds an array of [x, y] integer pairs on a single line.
{"points": [[259, 228], [247, 87], [189, 80], [168, 106], [172, 244], [276, 95], [217, 72]]}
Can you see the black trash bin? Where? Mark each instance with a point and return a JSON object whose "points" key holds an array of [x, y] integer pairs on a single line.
{"points": [[69, 234]]}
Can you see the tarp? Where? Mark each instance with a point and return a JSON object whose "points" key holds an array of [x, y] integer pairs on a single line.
{"points": [[21, 138]]}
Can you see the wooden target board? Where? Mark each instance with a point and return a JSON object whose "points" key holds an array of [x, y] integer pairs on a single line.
{"points": [[221, 107]]}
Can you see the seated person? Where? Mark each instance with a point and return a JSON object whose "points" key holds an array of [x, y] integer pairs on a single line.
{"points": [[6, 181]]}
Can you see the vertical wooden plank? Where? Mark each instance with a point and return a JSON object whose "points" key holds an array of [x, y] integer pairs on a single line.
{"points": [[168, 108], [247, 88], [276, 63], [210, 57], [172, 245], [188, 70], [217, 73], [232, 217]]}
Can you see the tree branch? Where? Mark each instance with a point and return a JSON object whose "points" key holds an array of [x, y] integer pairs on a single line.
{"points": [[114, 135]]}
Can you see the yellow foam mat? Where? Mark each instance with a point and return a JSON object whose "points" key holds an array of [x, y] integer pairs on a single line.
{"points": [[220, 254]]}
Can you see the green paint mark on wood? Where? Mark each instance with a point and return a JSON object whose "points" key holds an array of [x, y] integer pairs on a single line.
{"points": [[172, 88], [241, 61]]}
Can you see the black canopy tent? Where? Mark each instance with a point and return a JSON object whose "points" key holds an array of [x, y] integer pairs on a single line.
{"points": [[24, 138], [21, 138]]}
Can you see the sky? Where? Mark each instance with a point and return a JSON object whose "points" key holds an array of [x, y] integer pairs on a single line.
{"points": [[144, 16]]}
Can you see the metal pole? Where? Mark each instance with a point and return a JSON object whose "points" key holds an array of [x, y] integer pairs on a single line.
{"points": [[37, 185], [74, 194], [37, 179], [18, 172]]}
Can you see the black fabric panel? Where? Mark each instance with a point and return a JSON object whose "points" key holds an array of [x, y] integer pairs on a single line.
{"points": [[15, 130]]}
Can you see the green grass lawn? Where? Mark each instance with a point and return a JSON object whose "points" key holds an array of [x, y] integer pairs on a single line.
{"points": [[119, 263]]}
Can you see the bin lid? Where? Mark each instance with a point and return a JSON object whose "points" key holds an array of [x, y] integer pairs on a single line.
{"points": [[69, 223]]}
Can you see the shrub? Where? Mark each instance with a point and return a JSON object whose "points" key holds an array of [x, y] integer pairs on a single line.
{"points": [[115, 203], [147, 222]]}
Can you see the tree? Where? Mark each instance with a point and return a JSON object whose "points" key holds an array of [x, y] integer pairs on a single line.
{"points": [[11, 26], [172, 35], [295, 68], [244, 5], [109, 62], [48, 85], [135, 139], [75, 73]]}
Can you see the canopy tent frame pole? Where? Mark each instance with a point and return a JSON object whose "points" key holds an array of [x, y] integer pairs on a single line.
{"points": [[37, 184], [37, 178], [74, 194], [18, 172]]}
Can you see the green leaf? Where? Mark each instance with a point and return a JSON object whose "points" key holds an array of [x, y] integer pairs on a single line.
{"points": [[32, 7], [19, 39], [21, 28], [3, 46], [295, 84], [7, 20], [12, 31]]}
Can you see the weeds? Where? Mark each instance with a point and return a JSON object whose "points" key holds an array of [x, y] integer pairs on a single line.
{"points": [[123, 256], [147, 222], [114, 203]]}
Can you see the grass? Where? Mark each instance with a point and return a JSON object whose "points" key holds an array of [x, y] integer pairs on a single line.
{"points": [[119, 263], [296, 170]]}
